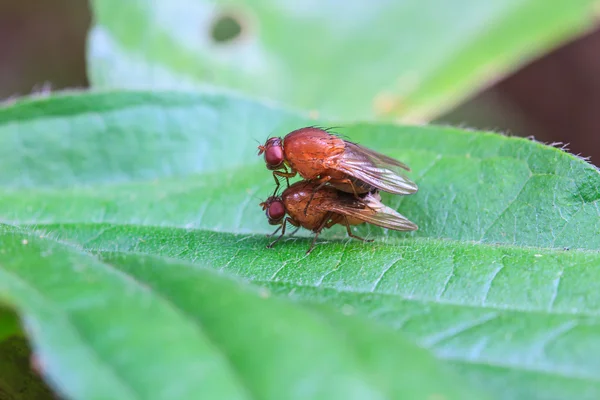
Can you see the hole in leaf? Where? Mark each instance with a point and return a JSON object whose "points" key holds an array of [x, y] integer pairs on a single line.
{"points": [[226, 28]]}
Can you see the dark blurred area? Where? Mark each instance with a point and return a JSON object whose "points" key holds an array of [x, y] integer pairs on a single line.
{"points": [[42, 43], [554, 99]]}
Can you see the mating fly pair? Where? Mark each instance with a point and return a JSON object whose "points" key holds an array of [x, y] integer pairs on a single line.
{"points": [[341, 184]]}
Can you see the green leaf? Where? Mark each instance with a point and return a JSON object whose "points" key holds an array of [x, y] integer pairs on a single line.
{"points": [[408, 58], [130, 326], [500, 279]]}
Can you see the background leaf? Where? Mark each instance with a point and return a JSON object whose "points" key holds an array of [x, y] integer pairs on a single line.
{"points": [[327, 57], [499, 280]]}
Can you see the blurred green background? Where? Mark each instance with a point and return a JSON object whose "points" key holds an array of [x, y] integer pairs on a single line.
{"points": [[555, 98]]}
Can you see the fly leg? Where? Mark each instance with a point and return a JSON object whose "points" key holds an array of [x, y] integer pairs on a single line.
{"points": [[283, 225], [283, 174], [276, 230], [277, 185], [322, 182], [349, 182], [317, 231], [294, 232], [347, 225], [354, 191]]}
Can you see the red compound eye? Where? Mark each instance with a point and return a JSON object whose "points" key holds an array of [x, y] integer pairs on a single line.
{"points": [[274, 156], [276, 211]]}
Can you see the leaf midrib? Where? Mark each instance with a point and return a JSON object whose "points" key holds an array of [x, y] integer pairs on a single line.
{"points": [[390, 241]]}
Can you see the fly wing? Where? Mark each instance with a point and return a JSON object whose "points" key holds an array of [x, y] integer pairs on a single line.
{"points": [[370, 210], [376, 169]]}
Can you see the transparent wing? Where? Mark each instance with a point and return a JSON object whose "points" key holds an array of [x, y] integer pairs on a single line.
{"points": [[376, 169], [370, 210]]}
